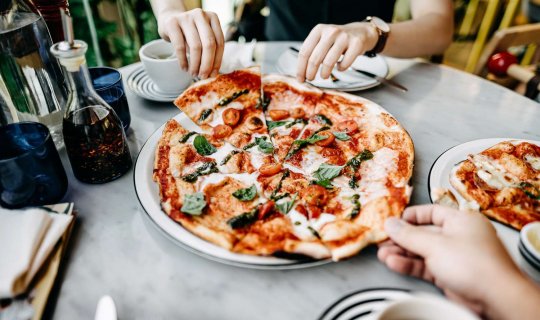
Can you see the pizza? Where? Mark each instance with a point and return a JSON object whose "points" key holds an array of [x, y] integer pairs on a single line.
{"points": [[282, 168], [502, 182]]}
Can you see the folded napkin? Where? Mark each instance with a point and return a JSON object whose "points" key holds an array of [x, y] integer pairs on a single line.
{"points": [[237, 55], [26, 239]]}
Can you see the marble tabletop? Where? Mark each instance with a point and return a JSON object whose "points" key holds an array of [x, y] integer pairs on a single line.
{"points": [[117, 250]]}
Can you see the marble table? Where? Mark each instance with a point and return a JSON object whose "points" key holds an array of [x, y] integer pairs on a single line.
{"points": [[117, 250]]}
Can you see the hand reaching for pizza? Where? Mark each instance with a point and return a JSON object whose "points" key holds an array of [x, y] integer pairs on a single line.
{"points": [[198, 33], [460, 253], [327, 43]]}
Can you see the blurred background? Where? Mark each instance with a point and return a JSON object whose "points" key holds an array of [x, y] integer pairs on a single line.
{"points": [[115, 29]]}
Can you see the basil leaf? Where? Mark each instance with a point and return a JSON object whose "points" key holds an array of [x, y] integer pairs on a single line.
{"points": [[353, 183], [343, 136], [203, 147], [322, 119], [356, 206], [205, 114], [286, 206], [264, 145], [186, 137], [206, 168], [244, 219], [324, 183], [246, 194], [275, 124], [226, 101], [285, 175], [297, 121], [327, 172], [193, 204], [530, 190], [355, 162], [311, 140], [228, 157]]}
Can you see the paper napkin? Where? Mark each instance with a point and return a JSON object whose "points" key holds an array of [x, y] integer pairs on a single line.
{"points": [[237, 55], [26, 239]]}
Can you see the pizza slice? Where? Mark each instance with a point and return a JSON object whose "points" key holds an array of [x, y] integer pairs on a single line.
{"points": [[228, 107], [289, 105], [503, 182]]}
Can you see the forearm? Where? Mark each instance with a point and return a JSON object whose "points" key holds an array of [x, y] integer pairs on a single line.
{"points": [[514, 297], [161, 6], [426, 35]]}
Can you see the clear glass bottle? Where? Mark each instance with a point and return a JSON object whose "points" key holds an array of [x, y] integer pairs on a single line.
{"points": [[32, 86], [93, 134]]}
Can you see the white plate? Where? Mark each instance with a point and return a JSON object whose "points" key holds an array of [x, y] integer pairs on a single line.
{"points": [[364, 304], [349, 80], [147, 192], [439, 178], [141, 84]]}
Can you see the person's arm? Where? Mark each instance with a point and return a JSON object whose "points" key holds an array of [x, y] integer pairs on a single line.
{"points": [[429, 32], [196, 32], [460, 253]]}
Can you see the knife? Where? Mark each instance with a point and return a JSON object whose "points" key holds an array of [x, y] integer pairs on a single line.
{"points": [[380, 79]]}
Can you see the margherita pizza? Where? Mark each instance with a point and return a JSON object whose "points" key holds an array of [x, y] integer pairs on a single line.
{"points": [[503, 182], [295, 170]]}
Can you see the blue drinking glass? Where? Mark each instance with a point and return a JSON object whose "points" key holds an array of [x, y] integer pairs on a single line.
{"points": [[31, 173], [108, 84]]}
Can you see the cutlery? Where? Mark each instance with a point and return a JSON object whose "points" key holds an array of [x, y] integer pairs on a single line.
{"points": [[106, 310], [367, 74]]}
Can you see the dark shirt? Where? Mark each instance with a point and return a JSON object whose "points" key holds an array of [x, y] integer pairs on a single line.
{"points": [[294, 19]]}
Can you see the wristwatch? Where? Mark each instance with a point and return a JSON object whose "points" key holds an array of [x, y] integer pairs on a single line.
{"points": [[383, 29]]}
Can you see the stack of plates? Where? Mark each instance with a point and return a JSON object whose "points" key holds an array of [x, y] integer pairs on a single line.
{"points": [[364, 304], [529, 234]]}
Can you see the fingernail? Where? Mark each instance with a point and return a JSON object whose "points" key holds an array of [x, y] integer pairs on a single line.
{"points": [[393, 225], [214, 73]]}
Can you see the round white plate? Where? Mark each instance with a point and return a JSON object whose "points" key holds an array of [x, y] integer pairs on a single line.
{"points": [[148, 194], [439, 178], [364, 304], [141, 84], [349, 80]]}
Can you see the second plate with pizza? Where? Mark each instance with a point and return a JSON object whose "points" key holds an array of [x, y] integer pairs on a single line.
{"points": [[439, 177]]}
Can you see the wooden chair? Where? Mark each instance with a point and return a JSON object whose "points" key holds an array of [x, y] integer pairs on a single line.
{"points": [[480, 19], [525, 35]]}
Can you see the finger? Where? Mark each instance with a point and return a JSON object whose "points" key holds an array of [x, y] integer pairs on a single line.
{"points": [[419, 240], [220, 43], [354, 49], [317, 56], [208, 42], [177, 39], [428, 214], [409, 266], [305, 52], [194, 44], [385, 251], [333, 56]]}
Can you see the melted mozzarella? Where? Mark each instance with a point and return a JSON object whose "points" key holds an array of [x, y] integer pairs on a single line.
{"points": [[533, 161], [323, 219], [245, 178], [312, 161], [208, 101], [256, 157], [374, 174], [345, 192], [300, 225], [222, 152], [492, 173]]}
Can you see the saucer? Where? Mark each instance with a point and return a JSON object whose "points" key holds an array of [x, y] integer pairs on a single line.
{"points": [[141, 84]]}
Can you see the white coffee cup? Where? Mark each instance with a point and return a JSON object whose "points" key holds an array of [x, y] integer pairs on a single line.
{"points": [[425, 307], [162, 67]]}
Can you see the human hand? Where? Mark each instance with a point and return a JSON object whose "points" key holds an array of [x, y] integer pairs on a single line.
{"points": [[197, 32], [326, 44], [457, 251]]}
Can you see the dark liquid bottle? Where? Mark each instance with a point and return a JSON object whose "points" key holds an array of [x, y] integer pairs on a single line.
{"points": [[95, 144], [93, 134]]}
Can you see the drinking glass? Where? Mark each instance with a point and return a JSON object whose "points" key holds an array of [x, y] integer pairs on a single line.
{"points": [[108, 84], [31, 173]]}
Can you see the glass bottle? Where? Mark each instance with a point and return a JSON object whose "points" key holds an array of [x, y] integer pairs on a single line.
{"points": [[32, 86], [93, 134], [50, 11]]}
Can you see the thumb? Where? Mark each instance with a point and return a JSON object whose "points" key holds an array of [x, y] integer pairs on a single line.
{"points": [[417, 239]]}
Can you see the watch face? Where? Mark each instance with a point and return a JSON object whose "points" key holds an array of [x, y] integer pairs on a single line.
{"points": [[381, 24]]}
